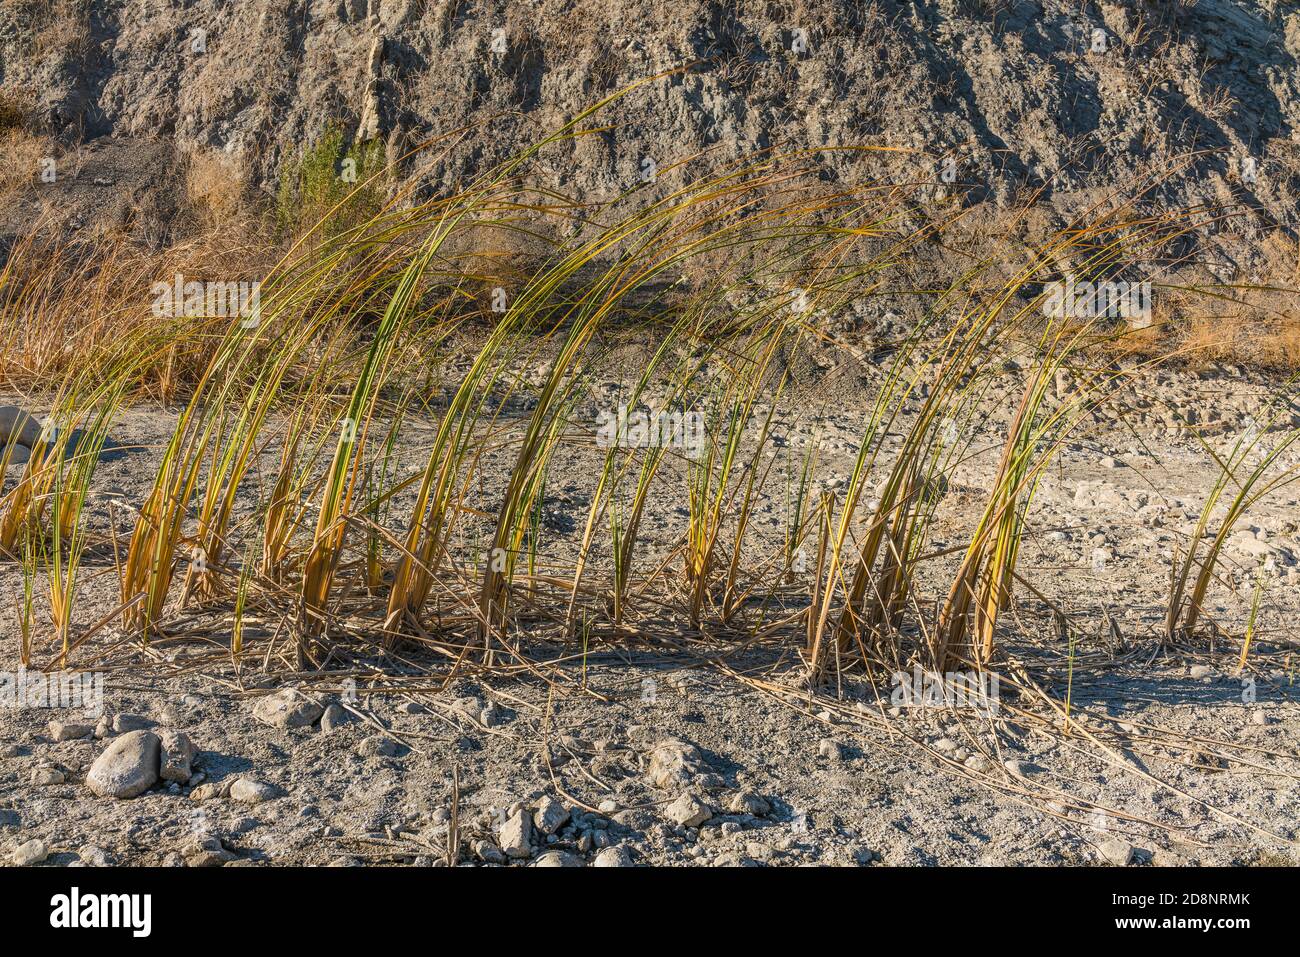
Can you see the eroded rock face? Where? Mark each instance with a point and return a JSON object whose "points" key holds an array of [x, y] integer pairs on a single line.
{"points": [[127, 767], [850, 72]]}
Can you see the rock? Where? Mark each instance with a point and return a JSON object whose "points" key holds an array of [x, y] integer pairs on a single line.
{"points": [[516, 837], [93, 856], [1260, 717], [551, 815], [287, 708], [688, 811], [251, 791], [128, 766], [613, 857], [208, 852], [673, 762], [1117, 852], [13, 456], [747, 802], [104, 729], [559, 859], [830, 749], [1201, 671], [411, 707], [18, 427], [206, 792], [123, 723], [70, 730], [977, 763], [380, 746], [607, 806], [175, 756], [9, 818], [945, 745], [1019, 769], [488, 853], [47, 775], [334, 717], [33, 852]]}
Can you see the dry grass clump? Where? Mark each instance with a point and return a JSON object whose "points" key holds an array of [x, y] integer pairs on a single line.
{"points": [[215, 183], [22, 148], [350, 554]]}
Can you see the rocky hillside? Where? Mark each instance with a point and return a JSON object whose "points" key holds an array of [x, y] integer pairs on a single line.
{"points": [[1000, 97]]}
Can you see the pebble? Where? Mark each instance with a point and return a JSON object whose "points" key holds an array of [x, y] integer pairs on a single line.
{"points": [[613, 857], [673, 762], [559, 859], [1116, 852], [175, 756], [551, 815], [1201, 671], [287, 708], [93, 856], [1019, 769], [516, 836], [747, 802], [47, 775], [977, 763], [70, 730], [334, 717], [830, 749], [688, 811], [380, 746], [122, 723], [251, 791], [127, 767], [488, 853]]}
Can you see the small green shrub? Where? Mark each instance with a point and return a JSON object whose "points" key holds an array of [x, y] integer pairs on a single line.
{"points": [[332, 173]]}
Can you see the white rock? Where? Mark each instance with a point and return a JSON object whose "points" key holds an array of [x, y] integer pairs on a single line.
{"points": [[33, 852], [127, 767], [1201, 671]]}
